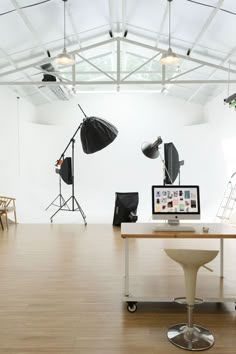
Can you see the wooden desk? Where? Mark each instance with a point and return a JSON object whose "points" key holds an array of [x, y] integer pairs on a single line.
{"points": [[145, 230]]}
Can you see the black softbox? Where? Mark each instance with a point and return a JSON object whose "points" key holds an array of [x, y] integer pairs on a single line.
{"points": [[66, 171], [96, 133], [171, 163], [126, 205]]}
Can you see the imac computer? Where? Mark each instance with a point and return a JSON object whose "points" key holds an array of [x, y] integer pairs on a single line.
{"points": [[174, 203]]}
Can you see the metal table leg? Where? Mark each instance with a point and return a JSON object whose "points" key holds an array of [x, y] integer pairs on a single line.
{"points": [[221, 257], [126, 266]]}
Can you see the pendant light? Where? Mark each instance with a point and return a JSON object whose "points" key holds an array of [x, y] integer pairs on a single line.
{"points": [[169, 57], [65, 58]]}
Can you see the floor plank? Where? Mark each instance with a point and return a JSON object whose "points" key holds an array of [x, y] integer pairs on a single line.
{"points": [[62, 292]]}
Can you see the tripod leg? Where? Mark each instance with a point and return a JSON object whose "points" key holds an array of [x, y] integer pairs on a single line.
{"points": [[52, 202], [63, 202], [81, 211], [51, 218]]}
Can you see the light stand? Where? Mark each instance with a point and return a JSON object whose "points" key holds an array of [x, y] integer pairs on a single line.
{"points": [[61, 199], [72, 197], [165, 170], [181, 163], [151, 150], [95, 134]]}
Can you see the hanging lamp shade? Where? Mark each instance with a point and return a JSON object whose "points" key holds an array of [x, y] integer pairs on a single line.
{"points": [[169, 58], [96, 134], [64, 58]]}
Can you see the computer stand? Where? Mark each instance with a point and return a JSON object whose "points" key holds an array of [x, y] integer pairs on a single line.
{"points": [[173, 226]]}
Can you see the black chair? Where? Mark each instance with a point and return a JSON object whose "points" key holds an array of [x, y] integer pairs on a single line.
{"points": [[126, 205]]}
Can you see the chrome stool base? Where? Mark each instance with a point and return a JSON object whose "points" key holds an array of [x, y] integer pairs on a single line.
{"points": [[183, 301], [194, 339]]}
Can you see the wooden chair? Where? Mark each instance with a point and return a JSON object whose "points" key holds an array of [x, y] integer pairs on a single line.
{"points": [[1, 223], [7, 205]]}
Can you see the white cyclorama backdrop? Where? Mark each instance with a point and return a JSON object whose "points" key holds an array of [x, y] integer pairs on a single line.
{"points": [[44, 132], [222, 121]]}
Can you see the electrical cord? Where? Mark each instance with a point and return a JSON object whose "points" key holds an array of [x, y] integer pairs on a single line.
{"points": [[201, 3], [24, 7]]}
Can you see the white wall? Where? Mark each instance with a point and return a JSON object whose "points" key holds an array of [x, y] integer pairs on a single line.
{"points": [[119, 167], [222, 123], [14, 112]]}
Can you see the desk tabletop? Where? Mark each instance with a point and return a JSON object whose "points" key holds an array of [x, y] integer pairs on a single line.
{"points": [[145, 230]]}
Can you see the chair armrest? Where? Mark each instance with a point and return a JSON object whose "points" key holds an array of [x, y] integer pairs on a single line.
{"points": [[3, 197]]}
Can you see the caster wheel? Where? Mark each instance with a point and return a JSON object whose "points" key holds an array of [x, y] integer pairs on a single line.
{"points": [[132, 306]]}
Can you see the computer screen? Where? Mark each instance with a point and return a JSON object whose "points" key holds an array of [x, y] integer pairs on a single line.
{"points": [[174, 203]]}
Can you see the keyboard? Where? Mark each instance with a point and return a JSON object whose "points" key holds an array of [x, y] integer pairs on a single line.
{"points": [[174, 228]]}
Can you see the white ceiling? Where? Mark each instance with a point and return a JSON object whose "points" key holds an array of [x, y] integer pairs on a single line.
{"points": [[207, 30]]}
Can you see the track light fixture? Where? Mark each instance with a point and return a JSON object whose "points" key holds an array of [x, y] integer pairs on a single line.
{"points": [[169, 57], [65, 58], [231, 100]]}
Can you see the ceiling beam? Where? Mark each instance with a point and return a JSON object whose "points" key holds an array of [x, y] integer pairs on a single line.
{"points": [[227, 58], [185, 72], [162, 25], [163, 79], [51, 59], [142, 45], [53, 73], [204, 28], [96, 67], [118, 63], [116, 82], [34, 33], [118, 41], [207, 24], [139, 67], [219, 67], [27, 76], [111, 15], [29, 25], [124, 16], [72, 22]]}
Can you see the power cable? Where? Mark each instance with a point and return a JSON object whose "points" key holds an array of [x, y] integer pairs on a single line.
{"points": [[24, 7], [207, 5]]}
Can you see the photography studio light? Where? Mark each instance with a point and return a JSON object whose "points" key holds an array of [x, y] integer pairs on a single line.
{"points": [[95, 135], [169, 57], [65, 58], [151, 150], [171, 163]]}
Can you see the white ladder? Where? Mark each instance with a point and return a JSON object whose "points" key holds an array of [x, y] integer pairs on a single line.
{"points": [[229, 199]]}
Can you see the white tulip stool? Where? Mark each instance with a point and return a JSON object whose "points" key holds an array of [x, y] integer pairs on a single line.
{"points": [[188, 335]]}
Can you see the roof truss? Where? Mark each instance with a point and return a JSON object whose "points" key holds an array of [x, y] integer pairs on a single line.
{"points": [[120, 76]]}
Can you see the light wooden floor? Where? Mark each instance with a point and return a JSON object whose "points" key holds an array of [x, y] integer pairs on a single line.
{"points": [[62, 293]]}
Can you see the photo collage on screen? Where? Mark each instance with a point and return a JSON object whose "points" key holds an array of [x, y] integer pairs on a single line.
{"points": [[177, 200]]}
